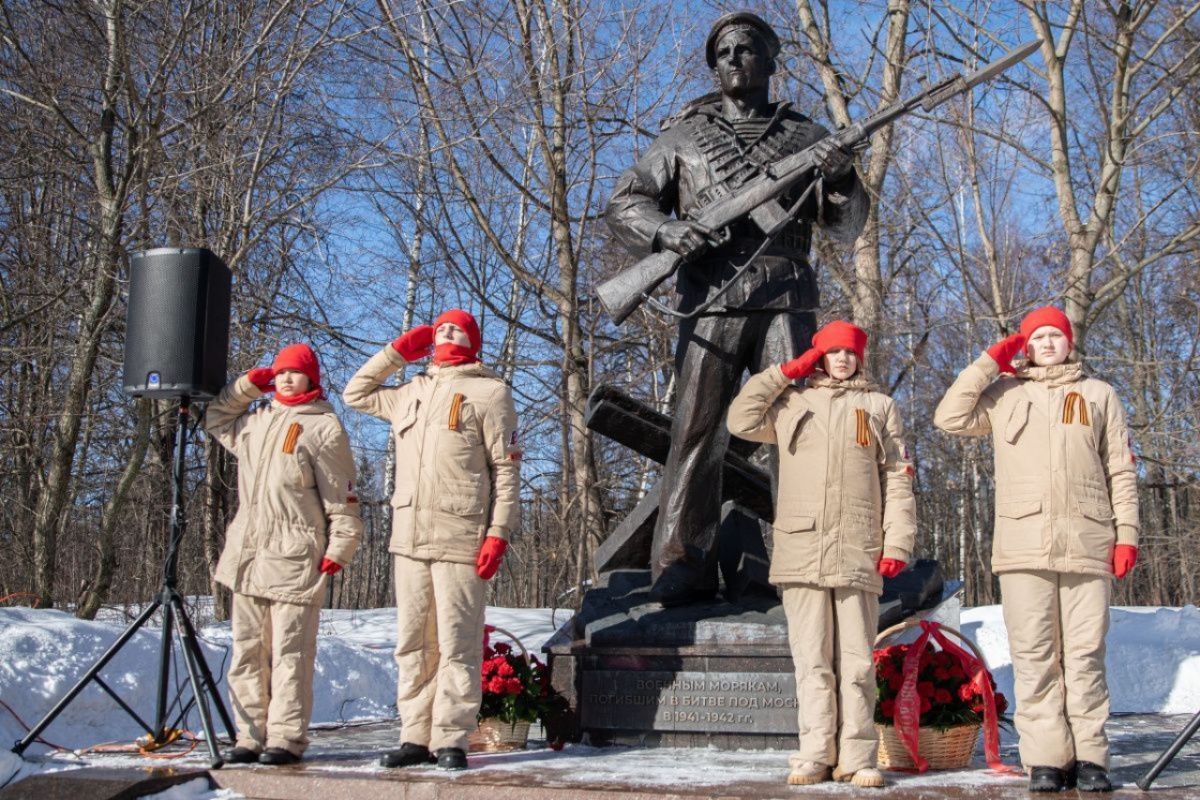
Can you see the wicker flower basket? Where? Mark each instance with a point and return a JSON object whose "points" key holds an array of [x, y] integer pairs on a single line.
{"points": [[948, 749], [494, 735], [943, 749]]}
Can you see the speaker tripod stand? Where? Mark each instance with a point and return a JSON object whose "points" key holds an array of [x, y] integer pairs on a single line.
{"points": [[175, 625]]}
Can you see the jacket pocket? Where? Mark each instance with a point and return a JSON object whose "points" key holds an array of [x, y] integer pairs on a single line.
{"points": [[795, 524], [1018, 526], [791, 428], [1018, 509], [463, 498], [287, 562], [1094, 509], [1017, 419], [296, 470], [404, 420], [402, 497]]}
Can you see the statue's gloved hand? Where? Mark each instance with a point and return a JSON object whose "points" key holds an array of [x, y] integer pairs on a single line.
{"points": [[685, 237], [833, 160]]}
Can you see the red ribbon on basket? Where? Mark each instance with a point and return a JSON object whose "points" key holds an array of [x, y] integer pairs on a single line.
{"points": [[908, 701]]}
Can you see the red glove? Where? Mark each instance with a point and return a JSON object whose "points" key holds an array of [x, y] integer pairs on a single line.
{"points": [[803, 366], [1002, 352], [891, 567], [490, 556], [1124, 557], [263, 379], [330, 567], [415, 344]]}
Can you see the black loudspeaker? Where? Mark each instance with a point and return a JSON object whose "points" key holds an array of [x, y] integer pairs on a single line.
{"points": [[177, 331]]}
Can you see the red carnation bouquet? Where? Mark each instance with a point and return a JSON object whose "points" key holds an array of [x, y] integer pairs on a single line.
{"points": [[946, 692], [516, 688]]}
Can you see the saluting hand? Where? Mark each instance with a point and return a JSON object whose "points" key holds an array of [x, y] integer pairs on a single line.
{"points": [[1002, 352], [415, 344], [263, 379], [803, 366]]}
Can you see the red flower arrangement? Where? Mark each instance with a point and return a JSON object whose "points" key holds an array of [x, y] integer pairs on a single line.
{"points": [[946, 694], [515, 690]]}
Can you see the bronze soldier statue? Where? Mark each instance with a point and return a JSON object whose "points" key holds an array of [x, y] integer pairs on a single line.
{"points": [[715, 145]]}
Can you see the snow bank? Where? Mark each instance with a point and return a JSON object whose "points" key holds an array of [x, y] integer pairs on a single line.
{"points": [[1153, 656], [1153, 664], [42, 654]]}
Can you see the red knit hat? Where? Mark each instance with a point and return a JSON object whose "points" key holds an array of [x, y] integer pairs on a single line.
{"points": [[839, 334], [301, 358], [1047, 315], [465, 321]]}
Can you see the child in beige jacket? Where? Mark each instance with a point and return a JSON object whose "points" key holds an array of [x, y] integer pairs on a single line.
{"points": [[1066, 523], [845, 517], [297, 522], [456, 502]]}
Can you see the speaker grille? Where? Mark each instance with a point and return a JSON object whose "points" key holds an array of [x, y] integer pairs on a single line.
{"points": [[177, 330]]}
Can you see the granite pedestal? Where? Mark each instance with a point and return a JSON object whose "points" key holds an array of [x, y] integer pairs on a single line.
{"points": [[717, 673]]}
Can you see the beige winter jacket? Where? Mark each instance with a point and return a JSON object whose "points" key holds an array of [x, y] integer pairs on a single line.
{"points": [[296, 501], [845, 479], [1065, 472], [457, 460]]}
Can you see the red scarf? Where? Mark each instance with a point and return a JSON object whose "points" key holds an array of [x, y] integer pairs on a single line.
{"points": [[453, 355], [300, 399]]}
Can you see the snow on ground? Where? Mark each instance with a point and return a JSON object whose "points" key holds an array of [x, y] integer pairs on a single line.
{"points": [[1153, 656], [1153, 664], [44, 653]]}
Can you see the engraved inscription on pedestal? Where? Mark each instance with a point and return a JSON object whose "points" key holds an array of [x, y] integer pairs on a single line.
{"points": [[732, 702]]}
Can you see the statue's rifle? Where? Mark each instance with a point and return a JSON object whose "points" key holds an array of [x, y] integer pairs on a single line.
{"points": [[759, 198]]}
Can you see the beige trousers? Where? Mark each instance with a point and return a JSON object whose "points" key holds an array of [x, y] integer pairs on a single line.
{"points": [[1056, 626], [439, 650], [271, 672], [832, 635]]}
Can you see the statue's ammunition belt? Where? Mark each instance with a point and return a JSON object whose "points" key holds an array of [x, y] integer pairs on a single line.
{"points": [[792, 242]]}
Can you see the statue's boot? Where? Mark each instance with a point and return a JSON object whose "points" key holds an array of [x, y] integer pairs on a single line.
{"points": [[681, 583]]}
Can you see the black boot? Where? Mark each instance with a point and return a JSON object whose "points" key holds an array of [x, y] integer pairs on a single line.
{"points": [[1047, 779], [1091, 777], [451, 758], [277, 757], [681, 584], [409, 755], [240, 755]]}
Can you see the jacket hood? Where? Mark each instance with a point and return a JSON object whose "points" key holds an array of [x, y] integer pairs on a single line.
{"points": [[1069, 371], [315, 407], [858, 382], [462, 370]]}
